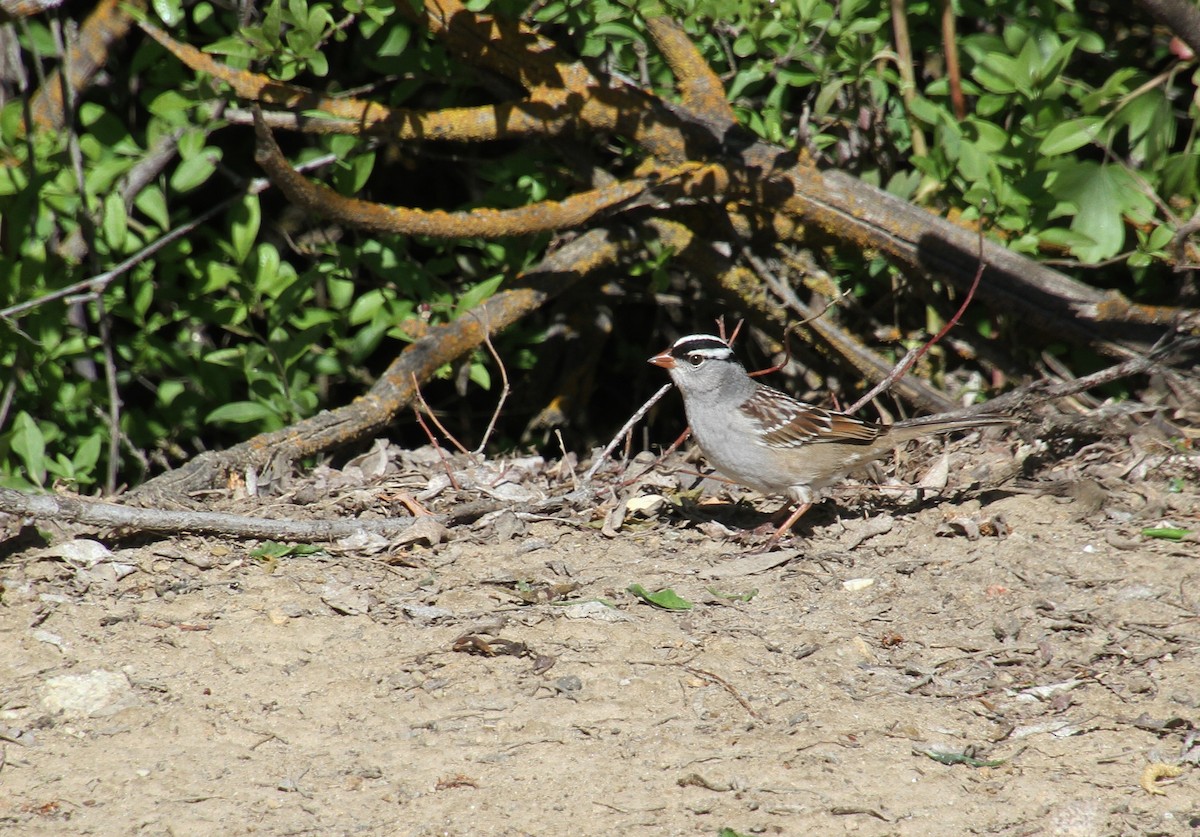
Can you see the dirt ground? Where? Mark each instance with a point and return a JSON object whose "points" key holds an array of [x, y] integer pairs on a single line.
{"points": [[1012, 660]]}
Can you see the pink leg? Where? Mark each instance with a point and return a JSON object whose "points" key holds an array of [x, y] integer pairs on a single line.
{"points": [[787, 525]]}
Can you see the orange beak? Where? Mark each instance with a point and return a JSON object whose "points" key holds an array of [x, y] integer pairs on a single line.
{"points": [[663, 359]]}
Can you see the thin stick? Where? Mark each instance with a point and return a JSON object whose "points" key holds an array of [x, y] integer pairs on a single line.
{"points": [[785, 293], [114, 396], [898, 372], [436, 422], [563, 449], [87, 220], [901, 369], [625, 428], [504, 391], [441, 453], [721, 681], [10, 389]]}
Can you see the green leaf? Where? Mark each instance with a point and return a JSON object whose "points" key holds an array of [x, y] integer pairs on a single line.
{"points": [[87, 455], [239, 412], [1096, 194], [1070, 135], [171, 105], [169, 12], [973, 164], [948, 758], [274, 549], [152, 203], [244, 217], [926, 111], [351, 178], [1055, 63], [476, 295], [997, 74], [167, 392], [29, 444], [234, 46], [268, 268], [193, 172], [341, 292], [666, 598], [115, 221], [480, 376], [1169, 533]]}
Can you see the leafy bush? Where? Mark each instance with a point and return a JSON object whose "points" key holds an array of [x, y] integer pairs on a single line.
{"points": [[1080, 143]]}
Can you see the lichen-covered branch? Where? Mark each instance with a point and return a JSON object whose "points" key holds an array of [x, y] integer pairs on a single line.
{"points": [[699, 86], [107, 24], [483, 223], [350, 115]]}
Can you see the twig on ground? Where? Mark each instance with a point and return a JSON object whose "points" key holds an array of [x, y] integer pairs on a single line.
{"points": [[96, 513], [433, 441], [459, 446], [721, 681], [1046, 390], [627, 427], [504, 390], [562, 447]]}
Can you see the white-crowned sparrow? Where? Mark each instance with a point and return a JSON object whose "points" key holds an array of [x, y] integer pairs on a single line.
{"points": [[769, 441]]}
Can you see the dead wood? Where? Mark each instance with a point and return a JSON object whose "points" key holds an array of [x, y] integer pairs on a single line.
{"points": [[271, 454], [693, 149], [108, 23], [744, 174], [114, 516]]}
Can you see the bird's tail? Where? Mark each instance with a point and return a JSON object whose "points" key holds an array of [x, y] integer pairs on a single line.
{"points": [[903, 431]]}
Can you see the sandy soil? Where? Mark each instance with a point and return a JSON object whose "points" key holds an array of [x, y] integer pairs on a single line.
{"points": [[1001, 661]]}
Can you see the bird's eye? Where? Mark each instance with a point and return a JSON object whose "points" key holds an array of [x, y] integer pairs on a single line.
{"points": [[695, 359]]}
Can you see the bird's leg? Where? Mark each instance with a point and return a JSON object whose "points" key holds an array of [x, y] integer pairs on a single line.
{"points": [[787, 524]]}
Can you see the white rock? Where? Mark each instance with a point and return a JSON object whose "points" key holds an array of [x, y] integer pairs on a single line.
{"points": [[94, 695]]}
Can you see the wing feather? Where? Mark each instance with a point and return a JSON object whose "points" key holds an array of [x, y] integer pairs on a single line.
{"points": [[787, 423]]}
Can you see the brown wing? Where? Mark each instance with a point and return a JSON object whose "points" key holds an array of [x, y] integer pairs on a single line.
{"points": [[788, 423]]}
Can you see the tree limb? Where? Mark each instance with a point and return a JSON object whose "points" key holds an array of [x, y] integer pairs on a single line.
{"points": [[114, 516]]}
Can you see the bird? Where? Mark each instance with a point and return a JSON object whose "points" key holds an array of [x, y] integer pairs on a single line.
{"points": [[765, 439]]}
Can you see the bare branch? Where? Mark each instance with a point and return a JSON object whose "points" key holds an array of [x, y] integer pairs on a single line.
{"points": [[504, 389], [459, 446], [112, 515], [625, 428]]}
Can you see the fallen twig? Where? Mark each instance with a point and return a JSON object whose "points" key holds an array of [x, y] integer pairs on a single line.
{"points": [[433, 439], [459, 446], [627, 427], [504, 389], [97, 513]]}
